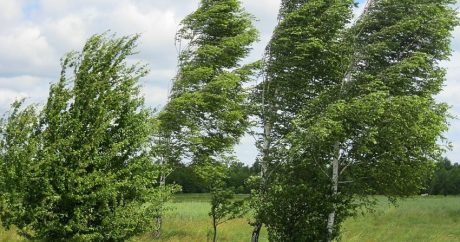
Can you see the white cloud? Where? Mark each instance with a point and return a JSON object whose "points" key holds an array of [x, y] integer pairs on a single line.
{"points": [[155, 97], [10, 11], [246, 150], [26, 50], [19, 83], [9, 96], [68, 32]]}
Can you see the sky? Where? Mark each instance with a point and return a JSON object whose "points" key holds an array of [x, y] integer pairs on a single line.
{"points": [[35, 34]]}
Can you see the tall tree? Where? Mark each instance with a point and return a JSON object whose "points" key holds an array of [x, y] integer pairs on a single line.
{"points": [[207, 115], [372, 124], [92, 175], [303, 58]]}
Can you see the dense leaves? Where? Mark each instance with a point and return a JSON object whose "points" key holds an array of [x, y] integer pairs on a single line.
{"points": [[350, 109], [304, 58], [446, 179], [89, 174], [237, 178], [207, 114]]}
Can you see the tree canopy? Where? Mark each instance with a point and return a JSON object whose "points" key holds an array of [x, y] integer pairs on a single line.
{"points": [[88, 173], [350, 109]]}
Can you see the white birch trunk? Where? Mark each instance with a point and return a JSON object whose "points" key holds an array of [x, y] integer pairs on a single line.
{"points": [[335, 188], [263, 174], [335, 161]]}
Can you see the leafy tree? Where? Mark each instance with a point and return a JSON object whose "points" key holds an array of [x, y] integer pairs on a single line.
{"points": [[19, 179], [207, 115], [366, 121], [185, 176], [303, 58], [223, 205], [90, 172], [236, 176], [446, 179]]}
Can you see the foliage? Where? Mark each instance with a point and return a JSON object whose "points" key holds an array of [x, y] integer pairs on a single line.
{"points": [[207, 115], [223, 208], [89, 173], [303, 59], [237, 175], [350, 110], [184, 176], [446, 179]]}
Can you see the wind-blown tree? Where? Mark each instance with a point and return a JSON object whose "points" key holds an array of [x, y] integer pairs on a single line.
{"points": [[18, 149], [367, 121], [89, 170], [207, 115], [303, 58]]}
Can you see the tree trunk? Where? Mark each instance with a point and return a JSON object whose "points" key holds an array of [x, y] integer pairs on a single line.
{"points": [[214, 225], [256, 232], [159, 219], [159, 222], [263, 175], [335, 186], [335, 161]]}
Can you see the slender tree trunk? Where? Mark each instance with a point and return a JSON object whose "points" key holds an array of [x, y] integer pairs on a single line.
{"points": [[263, 174], [163, 161], [335, 161], [256, 232], [159, 219], [214, 225], [335, 186]]}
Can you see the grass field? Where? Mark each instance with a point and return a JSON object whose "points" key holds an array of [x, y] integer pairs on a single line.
{"points": [[415, 219]]}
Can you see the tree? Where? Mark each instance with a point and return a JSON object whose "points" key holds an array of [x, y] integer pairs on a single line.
{"points": [[18, 148], [207, 115], [184, 176], [303, 58], [236, 176], [91, 173], [446, 179], [367, 121]]}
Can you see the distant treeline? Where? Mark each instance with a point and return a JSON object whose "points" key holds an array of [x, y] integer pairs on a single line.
{"points": [[185, 176], [446, 179]]}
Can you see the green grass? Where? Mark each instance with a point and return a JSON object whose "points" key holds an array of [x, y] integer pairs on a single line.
{"points": [[188, 220], [432, 218]]}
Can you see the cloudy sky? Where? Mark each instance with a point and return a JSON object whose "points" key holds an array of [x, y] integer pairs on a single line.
{"points": [[35, 34]]}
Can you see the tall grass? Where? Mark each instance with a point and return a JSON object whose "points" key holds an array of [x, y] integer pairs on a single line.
{"points": [[418, 219], [188, 220]]}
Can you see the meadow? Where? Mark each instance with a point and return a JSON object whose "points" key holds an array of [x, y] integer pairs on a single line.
{"points": [[432, 218]]}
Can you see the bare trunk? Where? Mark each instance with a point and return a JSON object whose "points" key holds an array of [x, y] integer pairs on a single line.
{"points": [[256, 232], [160, 217], [335, 186], [263, 174], [266, 152], [335, 162], [214, 225], [159, 222]]}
